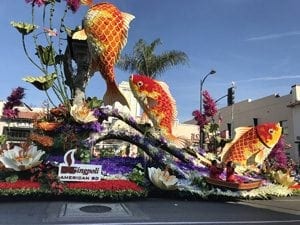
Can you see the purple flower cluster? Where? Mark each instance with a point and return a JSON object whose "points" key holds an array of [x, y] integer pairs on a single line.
{"points": [[200, 118], [100, 114], [112, 165], [93, 127], [73, 5], [210, 110], [13, 100], [278, 158]]}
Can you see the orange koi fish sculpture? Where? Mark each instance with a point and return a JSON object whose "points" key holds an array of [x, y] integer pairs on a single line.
{"points": [[251, 145], [158, 104], [106, 28]]}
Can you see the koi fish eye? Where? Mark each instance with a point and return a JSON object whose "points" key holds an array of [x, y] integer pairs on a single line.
{"points": [[140, 83]]}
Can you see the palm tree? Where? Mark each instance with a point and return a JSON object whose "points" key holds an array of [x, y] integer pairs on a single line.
{"points": [[144, 61]]}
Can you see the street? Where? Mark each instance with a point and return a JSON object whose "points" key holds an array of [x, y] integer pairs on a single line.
{"points": [[152, 211]]}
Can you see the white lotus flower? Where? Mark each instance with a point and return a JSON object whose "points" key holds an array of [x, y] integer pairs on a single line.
{"points": [[82, 114], [18, 159], [162, 179]]}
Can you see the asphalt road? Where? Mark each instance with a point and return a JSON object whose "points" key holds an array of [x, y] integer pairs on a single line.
{"points": [[152, 211]]}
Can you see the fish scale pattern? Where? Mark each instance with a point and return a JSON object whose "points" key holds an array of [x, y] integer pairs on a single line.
{"points": [[104, 25], [248, 142], [163, 112]]}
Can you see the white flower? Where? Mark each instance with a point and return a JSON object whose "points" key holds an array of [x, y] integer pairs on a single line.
{"points": [[162, 179], [19, 159], [82, 114], [121, 108]]}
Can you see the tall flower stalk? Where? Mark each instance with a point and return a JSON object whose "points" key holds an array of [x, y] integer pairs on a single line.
{"points": [[49, 60]]}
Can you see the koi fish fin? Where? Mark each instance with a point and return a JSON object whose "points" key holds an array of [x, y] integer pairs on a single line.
{"points": [[113, 94], [150, 102], [239, 132], [127, 18], [259, 158], [179, 142]]}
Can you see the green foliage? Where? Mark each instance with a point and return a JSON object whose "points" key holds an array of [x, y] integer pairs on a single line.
{"points": [[94, 102], [3, 139], [12, 178], [107, 152], [84, 155], [144, 61], [137, 175], [46, 55]]}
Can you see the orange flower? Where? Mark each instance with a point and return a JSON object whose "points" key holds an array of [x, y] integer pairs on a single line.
{"points": [[44, 140]]}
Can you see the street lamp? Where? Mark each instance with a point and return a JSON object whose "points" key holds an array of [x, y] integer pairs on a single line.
{"points": [[201, 87]]}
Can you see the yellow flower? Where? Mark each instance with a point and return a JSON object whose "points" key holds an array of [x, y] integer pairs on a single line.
{"points": [[18, 159], [82, 114], [162, 179]]}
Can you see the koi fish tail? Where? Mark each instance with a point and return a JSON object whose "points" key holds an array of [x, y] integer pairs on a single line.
{"points": [[179, 142], [113, 94]]}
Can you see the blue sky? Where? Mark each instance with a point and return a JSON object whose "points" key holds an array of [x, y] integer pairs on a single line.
{"points": [[255, 43]]}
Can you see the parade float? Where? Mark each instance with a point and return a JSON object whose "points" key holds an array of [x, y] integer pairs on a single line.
{"points": [[58, 159]]}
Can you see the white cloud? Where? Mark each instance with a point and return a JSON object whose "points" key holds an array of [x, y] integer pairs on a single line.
{"points": [[271, 78], [274, 36]]}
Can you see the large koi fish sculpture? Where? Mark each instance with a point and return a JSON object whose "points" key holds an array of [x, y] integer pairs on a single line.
{"points": [[251, 145], [106, 30], [158, 104]]}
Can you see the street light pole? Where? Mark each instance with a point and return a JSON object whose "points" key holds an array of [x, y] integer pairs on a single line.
{"points": [[201, 103]]}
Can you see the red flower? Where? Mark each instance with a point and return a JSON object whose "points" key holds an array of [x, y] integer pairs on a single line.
{"points": [[111, 185], [20, 184]]}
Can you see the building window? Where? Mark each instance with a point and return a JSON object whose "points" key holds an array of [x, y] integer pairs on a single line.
{"points": [[284, 125], [16, 134]]}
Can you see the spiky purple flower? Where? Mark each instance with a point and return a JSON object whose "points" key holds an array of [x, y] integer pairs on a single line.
{"points": [[200, 118], [13, 100], [210, 108]]}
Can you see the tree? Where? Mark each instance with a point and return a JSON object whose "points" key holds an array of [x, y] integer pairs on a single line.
{"points": [[144, 61]]}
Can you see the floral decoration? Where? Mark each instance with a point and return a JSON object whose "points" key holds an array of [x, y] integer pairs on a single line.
{"points": [[162, 179], [19, 158]]}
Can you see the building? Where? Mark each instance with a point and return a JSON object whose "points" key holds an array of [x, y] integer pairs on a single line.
{"points": [[18, 129], [273, 108]]}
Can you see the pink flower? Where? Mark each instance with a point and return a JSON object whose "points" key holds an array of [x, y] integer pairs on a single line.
{"points": [[51, 32]]}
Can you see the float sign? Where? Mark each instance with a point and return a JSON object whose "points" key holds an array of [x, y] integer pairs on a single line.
{"points": [[69, 171]]}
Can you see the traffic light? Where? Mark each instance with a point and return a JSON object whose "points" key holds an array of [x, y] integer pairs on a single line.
{"points": [[230, 96]]}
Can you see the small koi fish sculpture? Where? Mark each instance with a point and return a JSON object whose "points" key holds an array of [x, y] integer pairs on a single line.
{"points": [[158, 104], [251, 145]]}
